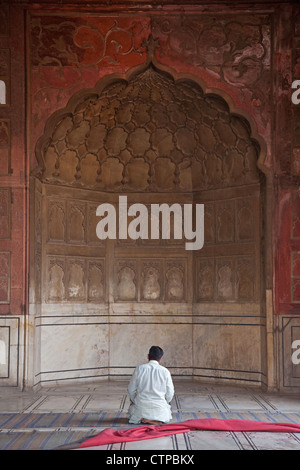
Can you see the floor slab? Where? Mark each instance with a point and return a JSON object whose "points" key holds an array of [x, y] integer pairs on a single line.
{"points": [[63, 416]]}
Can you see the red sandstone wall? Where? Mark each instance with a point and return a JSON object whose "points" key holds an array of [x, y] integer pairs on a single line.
{"points": [[250, 57], [13, 166]]}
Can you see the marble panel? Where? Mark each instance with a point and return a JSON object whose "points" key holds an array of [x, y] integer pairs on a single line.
{"points": [[197, 402], [227, 347], [73, 350], [58, 403], [234, 402], [283, 403], [10, 356], [130, 343], [4, 351], [213, 440], [272, 441], [163, 443], [112, 402]]}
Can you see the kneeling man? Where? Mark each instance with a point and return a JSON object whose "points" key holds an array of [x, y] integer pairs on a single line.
{"points": [[151, 391]]}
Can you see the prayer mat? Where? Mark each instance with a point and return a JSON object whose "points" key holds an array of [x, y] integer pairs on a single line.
{"points": [[109, 435]]}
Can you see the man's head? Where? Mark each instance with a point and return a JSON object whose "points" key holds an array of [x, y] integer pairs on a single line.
{"points": [[155, 353]]}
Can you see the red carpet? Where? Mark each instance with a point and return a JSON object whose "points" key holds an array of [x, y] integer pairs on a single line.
{"points": [[109, 436]]}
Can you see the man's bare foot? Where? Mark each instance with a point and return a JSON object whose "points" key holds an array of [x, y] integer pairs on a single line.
{"points": [[150, 421]]}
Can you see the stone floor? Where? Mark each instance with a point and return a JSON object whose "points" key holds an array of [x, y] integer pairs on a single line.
{"points": [[54, 416]]}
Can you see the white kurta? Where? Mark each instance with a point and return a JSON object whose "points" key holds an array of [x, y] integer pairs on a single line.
{"points": [[150, 390]]}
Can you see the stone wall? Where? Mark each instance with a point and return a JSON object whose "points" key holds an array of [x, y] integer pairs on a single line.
{"points": [[228, 312]]}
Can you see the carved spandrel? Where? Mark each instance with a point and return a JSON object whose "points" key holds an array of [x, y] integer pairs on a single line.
{"points": [[235, 51], [60, 42]]}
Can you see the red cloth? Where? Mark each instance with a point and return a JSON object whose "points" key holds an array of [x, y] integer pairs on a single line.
{"points": [[109, 436]]}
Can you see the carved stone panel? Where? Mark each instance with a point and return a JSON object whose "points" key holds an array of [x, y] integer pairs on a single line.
{"points": [[209, 223], [295, 277], [205, 284], [96, 281], [245, 279], [76, 226], [175, 281], [151, 280], [56, 279], [126, 280], [4, 277], [295, 229], [76, 279], [56, 221], [92, 221], [225, 279], [76, 282], [245, 219], [5, 213], [225, 222], [159, 280], [5, 147]]}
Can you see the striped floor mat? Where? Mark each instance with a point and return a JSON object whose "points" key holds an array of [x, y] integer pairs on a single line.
{"points": [[45, 431], [107, 419]]}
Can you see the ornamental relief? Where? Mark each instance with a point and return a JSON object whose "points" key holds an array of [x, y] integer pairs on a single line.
{"points": [[150, 280], [105, 144], [223, 279], [72, 222], [236, 50], [75, 279], [65, 51]]}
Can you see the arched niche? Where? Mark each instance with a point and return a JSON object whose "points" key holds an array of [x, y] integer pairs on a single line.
{"points": [[149, 133], [156, 138]]}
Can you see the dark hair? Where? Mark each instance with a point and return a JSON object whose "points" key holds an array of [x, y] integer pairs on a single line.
{"points": [[155, 353]]}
